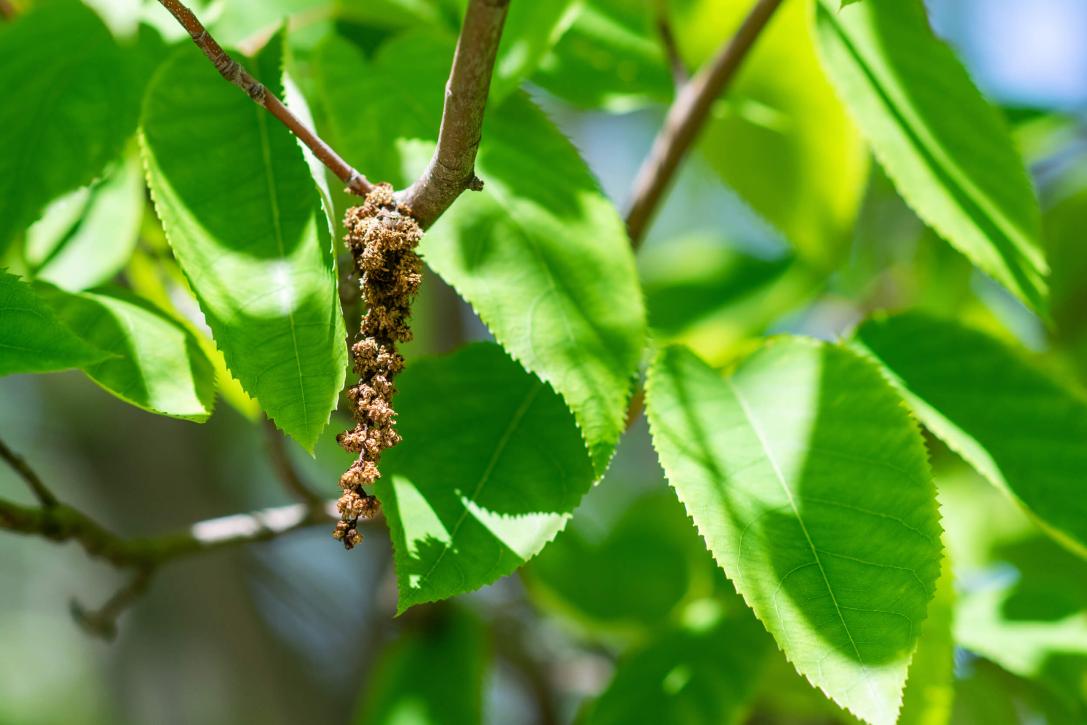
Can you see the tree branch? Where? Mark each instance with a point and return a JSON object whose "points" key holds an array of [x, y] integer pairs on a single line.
{"points": [[232, 71], [686, 117], [19, 465], [7, 10], [62, 523], [452, 167]]}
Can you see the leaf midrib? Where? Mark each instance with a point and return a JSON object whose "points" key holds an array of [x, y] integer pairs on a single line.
{"points": [[768, 452], [269, 175]]}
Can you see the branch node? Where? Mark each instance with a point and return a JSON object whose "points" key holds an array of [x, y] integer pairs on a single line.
{"points": [[475, 183]]}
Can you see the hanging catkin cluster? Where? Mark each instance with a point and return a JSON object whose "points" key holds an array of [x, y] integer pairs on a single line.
{"points": [[382, 238]]}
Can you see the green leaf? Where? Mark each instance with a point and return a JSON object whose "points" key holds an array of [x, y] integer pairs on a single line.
{"points": [[944, 146], [809, 482], [156, 365], [432, 675], [32, 338], [609, 58], [705, 672], [1011, 421], [544, 259], [709, 295], [86, 248], [530, 31], [67, 108], [540, 253], [245, 222], [587, 578], [490, 469], [782, 141], [930, 689]]}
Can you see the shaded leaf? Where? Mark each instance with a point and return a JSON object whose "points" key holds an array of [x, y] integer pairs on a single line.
{"points": [[246, 224], [490, 469], [705, 672], [67, 108], [589, 580], [1018, 427], [32, 338], [530, 31], [156, 363], [944, 146], [431, 675], [89, 249], [809, 483], [609, 58]]}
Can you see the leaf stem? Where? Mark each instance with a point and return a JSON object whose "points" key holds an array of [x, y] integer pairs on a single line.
{"points": [[687, 116], [452, 167], [233, 72]]}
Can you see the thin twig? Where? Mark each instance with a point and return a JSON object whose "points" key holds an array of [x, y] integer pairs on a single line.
{"points": [[452, 167], [671, 47], [687, 116], [102, 622], [33, 481], [288, 474], [232, 71]]}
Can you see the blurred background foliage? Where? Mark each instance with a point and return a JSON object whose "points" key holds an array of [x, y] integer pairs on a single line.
{"points": [[624, 618]]}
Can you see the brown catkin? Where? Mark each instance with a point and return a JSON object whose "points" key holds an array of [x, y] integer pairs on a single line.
{"points": [[382, 237]]}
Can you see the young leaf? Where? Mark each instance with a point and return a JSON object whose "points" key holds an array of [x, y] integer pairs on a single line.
{"points": [[696, 674], [67, 108], [431, 675], [540, 253], [809, 482], [490, 469], [246, 224], [944, 146], [87, 249], [782, 141], [32, 338], [1019, 428], [156, 364]]}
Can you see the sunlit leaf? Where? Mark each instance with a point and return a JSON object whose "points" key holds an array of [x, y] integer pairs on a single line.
{"points": [[944, 146], [156, 364], [490, 469], [1015, 424], [67, 108], [246, 224], [810, 484]]}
